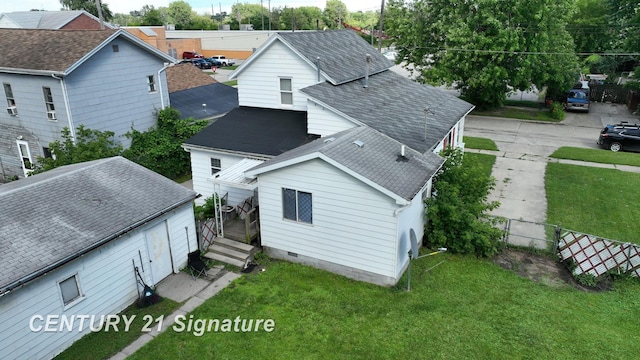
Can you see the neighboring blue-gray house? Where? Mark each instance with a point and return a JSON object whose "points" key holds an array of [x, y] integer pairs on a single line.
{"points": [[70, 241], [107, 80]]}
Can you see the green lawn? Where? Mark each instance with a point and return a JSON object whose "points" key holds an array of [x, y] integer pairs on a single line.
{"points": [[517, 113], [598, 201], [472, 142], [525, 103], [231, 82], [597, 155], [103, 345], [465, 308], [486, 161]]}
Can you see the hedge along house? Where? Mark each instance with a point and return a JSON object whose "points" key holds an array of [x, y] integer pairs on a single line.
{"points": [[70, 239], [328, 83]]}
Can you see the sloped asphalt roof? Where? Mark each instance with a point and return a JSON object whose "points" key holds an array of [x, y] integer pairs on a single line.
{"points": [[50, 217], [378, 159], [256, 131], [394, 105], [341, 53]]}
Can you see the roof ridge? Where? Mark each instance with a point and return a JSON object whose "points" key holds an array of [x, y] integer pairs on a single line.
{"points": [[59, 174]]}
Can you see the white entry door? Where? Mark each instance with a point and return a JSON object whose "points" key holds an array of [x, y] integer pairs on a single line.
{"points": [[159, 252], [25, 155]]}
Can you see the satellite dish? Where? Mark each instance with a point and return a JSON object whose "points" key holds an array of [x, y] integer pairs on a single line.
{"points": [[414, 244]]}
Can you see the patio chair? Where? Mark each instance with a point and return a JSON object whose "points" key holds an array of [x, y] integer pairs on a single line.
{"points": [[197, 267]]}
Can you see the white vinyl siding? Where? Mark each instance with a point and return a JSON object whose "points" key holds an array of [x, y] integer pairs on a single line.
{"points": [[321, 121], [107, 282], [353, 224], [259, 85], [201, 172]]}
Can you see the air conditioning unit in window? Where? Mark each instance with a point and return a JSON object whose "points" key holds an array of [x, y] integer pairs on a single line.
{"points": [[51, 115], [12, 110]]}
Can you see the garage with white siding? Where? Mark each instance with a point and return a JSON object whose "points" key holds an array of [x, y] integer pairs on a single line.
{"points": [[71, 239]]}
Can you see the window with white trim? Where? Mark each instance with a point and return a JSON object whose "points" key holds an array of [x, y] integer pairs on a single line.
{"points": [[286, 91], [215, 165], [297, 206], [11, 101], [48, 102], [70, 290], [151, 83]]}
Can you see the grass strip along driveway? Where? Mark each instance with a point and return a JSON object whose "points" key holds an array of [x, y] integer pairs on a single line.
{"points": [[597, 155]]}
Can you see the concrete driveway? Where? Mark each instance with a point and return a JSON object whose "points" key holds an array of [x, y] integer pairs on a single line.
{"points": [[524, 149]]}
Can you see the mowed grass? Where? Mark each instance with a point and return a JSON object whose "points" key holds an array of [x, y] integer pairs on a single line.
{"points": [[485, 161], [597, 155], [472, 142], [597, 201], [103, 345], [518, 113], [465, 308]]}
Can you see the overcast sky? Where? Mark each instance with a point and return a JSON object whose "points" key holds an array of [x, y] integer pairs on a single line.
{"points": [[200, 6]]}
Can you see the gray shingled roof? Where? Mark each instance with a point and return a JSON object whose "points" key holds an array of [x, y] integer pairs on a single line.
{"points": [[51, 217], [342, 53], [394, 105], [56, 51], [45, 19], [219, 98], [378, 159]]}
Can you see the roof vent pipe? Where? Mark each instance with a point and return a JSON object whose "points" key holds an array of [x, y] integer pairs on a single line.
{"points": [[366, 74], [402, 151], [318, 67], [426, 117]]}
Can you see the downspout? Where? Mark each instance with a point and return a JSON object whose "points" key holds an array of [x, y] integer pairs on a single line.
{"points": [[72, 128], [160, 85]]}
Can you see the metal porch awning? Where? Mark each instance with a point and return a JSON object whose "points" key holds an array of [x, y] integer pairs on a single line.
{"points": [[234, 176]]}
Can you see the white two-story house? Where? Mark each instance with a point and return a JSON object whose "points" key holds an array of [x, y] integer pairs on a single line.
{"points": [[107, 80], [339, 151]]}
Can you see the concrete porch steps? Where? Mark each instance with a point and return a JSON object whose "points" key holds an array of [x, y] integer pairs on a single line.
{"points": [[230, 252]]}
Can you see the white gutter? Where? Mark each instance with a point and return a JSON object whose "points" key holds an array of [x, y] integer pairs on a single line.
{"points": [[66, 105], [160, 85]]}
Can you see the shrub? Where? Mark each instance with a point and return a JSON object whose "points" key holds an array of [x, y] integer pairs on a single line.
{"points": [[208, 209], [456, 212], [557, 112]]}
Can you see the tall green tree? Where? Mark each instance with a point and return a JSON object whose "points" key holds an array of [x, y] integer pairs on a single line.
{"points": [[334, 12], [89, 6], [486, 48], [590, 28], [89, 144], [181, 14]]}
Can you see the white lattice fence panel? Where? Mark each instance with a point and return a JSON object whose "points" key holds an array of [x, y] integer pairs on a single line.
{"points": [[594, 255]]}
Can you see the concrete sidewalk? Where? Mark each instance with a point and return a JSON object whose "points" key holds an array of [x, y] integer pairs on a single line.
{"points": [[180, 286]]}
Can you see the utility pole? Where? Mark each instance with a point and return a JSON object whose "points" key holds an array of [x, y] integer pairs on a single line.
{"points": [[269, 33], [381, 26], [262, 12], [99, 6]]}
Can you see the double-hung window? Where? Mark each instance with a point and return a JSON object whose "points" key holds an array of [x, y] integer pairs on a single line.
{"points": [[151, 83], [48, 102], [11, 101], [215, 165], [297, 206], [286, 91]]}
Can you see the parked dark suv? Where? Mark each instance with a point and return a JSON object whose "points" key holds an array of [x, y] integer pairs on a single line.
{"points": [[622, 136]]}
